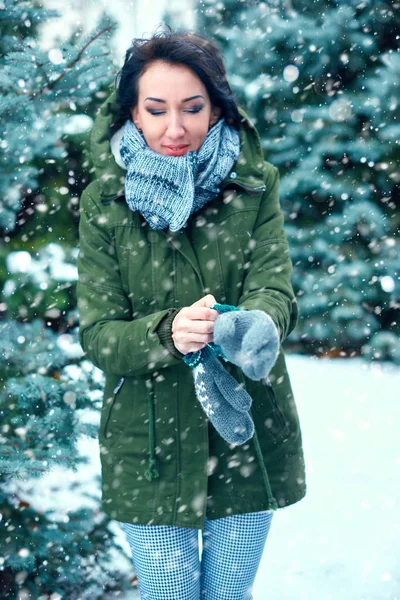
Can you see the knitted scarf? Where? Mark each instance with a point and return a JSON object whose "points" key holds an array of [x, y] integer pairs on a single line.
{"points": [[166, 190]]}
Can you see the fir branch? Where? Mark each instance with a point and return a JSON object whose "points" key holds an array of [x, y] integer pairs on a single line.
{"points": [[109, 73], [68, 68]]}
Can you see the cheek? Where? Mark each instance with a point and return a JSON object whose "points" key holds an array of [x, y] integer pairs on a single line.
{"points": [[152, 135], [200, 131], [200, 138]]}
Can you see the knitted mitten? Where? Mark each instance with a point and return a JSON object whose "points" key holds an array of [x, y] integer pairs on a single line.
{"points": [[217, 392], [249, 339]]}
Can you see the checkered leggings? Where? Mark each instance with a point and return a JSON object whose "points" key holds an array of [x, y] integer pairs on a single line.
{"points": [[168, 567]]}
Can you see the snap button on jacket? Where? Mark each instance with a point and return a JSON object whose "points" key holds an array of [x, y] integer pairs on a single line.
{"points": [[162, 461]]}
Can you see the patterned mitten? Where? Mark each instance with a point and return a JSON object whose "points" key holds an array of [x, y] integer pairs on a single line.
{"points": [[249, 339], [217, 392]]}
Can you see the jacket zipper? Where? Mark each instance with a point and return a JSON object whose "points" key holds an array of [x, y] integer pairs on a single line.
{"points": [[241, 377], [269, 384], [119, 385], [255, 190], [115, 394]]}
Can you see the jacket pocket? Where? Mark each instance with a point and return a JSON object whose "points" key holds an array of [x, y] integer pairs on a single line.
{"points": [[276, 424], [266, 412]]}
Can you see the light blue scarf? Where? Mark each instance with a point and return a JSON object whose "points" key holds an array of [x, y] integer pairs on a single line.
{"points": [[166, 190]]}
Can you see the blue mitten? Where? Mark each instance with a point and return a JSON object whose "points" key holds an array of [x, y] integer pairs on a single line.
{"points": [[218, 392], [249, 339]]}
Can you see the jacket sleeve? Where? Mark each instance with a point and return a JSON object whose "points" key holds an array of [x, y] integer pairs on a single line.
{"points": [[113, 341], [164, 332], [267, 283]]}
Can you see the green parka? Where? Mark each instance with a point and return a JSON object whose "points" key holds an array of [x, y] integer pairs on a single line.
{"points": [[162, 461]]}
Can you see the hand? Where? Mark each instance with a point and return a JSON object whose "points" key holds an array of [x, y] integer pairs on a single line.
{"points": [[193, 326]]}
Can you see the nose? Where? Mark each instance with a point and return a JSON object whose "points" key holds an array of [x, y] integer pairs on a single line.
{"points": [[175, 130]]}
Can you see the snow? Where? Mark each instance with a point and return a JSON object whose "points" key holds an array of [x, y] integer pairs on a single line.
{"points": [[77, 124], [342, 541]]}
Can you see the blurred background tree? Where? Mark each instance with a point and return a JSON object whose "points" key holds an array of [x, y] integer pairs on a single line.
{"points": [[321, 82], [47, 104]]}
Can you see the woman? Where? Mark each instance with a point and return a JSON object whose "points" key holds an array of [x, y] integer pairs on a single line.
{"points": [[183, 213]]}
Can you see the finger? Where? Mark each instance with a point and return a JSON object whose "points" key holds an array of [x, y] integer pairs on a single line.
{"points": [[197, 338], [202, 313], [206, 327], [205, 301], [210, 300], [198, 302], [212, 314]]}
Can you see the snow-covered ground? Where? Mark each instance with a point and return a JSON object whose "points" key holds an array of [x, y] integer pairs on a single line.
{"points": [[342, 541]]}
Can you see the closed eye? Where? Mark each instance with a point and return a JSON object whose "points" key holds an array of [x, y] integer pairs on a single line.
{"points": [[193, 110]]}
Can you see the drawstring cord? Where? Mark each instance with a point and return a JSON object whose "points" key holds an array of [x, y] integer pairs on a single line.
{"points": [[272, 503]]}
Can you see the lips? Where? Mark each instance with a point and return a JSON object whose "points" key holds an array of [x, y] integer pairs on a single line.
{"points": [[177, 150], [177, 147]]}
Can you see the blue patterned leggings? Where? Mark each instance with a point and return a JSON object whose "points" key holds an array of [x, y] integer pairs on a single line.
{"points": [[167, 563]]}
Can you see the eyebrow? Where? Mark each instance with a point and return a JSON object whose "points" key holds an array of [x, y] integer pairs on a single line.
{"points": [[185, 100]]}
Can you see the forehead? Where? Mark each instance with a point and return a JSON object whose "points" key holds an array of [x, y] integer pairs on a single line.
{"points": [[168, 79]]}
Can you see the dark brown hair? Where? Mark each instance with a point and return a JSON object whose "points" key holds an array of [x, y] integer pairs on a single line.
{"points": [[198, 53]]}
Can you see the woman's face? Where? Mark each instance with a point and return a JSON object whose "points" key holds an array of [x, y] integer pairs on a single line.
{"points": [[173, 109]]}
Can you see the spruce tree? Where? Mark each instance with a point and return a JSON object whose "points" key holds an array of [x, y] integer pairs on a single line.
{"points": [[321, 81], [47, 389]]}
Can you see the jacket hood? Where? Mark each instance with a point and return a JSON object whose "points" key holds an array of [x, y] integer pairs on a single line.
{"points": [[114, 143], [110, 171]]}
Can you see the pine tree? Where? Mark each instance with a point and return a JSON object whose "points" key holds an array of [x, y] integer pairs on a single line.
{"points": [[321, 83], [45, 384]]}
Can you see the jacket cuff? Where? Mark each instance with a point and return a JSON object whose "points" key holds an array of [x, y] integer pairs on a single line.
{"points": [[164, 332]]}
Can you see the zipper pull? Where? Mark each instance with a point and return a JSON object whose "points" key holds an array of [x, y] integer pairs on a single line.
{"points": [[268, 382], [119, 385]]}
